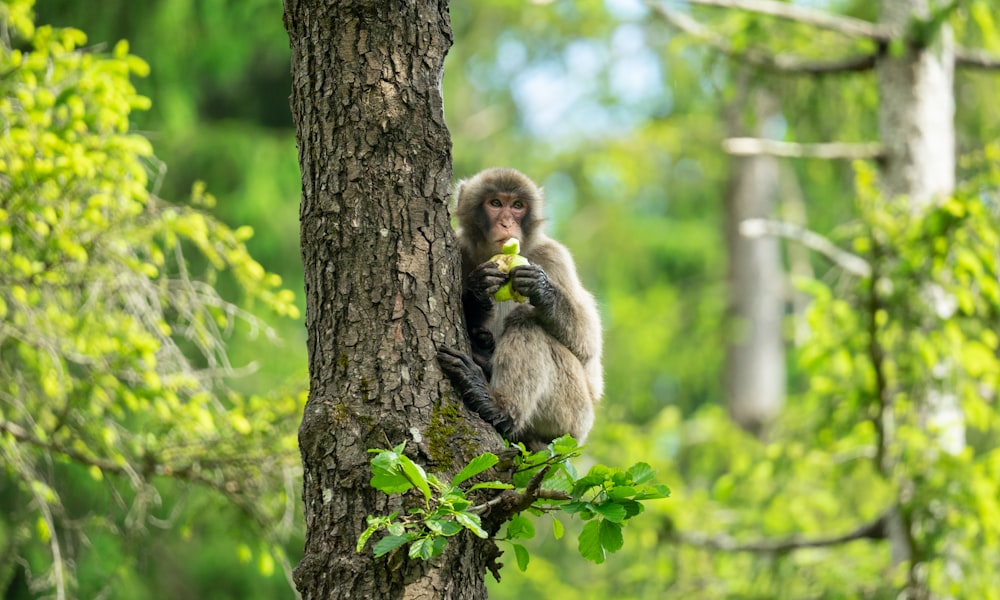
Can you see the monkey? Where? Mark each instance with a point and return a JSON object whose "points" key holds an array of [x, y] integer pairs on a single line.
{"points": [[535, 368]]}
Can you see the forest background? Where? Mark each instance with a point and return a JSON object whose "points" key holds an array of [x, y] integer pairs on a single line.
{"points": [[621, 116]]}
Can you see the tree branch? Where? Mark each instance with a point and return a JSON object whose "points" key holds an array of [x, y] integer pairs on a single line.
{"points": [[22, 435], [745, 146], [851, 263], [782, 63], [976, 59], [511, 502], [873, 530], [191, 472], [848, 26]]}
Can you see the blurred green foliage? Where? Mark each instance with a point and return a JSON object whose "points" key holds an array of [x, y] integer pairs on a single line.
{"points": [[114, 374], [621, 119]]}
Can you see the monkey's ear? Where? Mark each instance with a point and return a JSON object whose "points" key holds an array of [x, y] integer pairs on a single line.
{"points": [[457, 193]]}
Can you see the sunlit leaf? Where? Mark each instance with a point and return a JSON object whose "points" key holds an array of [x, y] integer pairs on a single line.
{"points": [[476, 466]]}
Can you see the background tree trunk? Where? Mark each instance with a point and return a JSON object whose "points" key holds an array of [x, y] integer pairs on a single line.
{"points": [[381, 282], [916, 123], [755, 375]]}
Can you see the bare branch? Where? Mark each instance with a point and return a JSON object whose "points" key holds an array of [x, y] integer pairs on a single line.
{"points": [[745, 146], [976, 59], [783, 63], [873, 530], [851, 263], [848, 26]]}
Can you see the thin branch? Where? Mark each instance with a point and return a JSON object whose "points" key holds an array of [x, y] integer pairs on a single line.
{"points": [[512, 502], [783, 63], [852, 263], [189, 472], [848, 26], [22, 435], [873, 530], [976, 59], [883, 421], [745, 146]]}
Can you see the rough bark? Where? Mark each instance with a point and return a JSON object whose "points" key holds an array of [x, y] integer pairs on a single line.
{"points": [[381, 283], [755, 375]]}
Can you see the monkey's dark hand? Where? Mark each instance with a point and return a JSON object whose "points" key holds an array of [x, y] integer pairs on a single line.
{"points": [[532, 282], [483, 346], [470, 383], [484, 281]]}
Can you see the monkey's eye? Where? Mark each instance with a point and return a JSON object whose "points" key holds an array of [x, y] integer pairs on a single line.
{"points": [[495, 202], [518, 204]]}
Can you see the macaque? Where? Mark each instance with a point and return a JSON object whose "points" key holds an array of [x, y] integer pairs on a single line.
{"points": [[535, 370]]}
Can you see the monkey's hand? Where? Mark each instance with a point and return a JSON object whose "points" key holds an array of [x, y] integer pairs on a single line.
{"points": [[484, 281], [483, 346], [532, 282], [470, 383]]}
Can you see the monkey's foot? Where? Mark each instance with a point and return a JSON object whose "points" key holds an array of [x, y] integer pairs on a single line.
{"points": [[469, 381]]}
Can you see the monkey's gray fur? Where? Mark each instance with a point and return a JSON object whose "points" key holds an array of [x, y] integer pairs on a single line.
{"points": [[535, 373]]}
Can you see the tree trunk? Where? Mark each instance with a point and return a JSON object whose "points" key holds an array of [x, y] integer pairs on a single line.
{"points": [[382, 286], [755, 373], [917, 110], [916, 123]]}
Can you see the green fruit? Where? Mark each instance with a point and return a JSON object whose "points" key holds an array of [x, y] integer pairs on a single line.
{"points": [[507, 260]]}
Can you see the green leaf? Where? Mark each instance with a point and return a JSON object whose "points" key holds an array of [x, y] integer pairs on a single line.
{"points": [[610, 511], [558, 479], [389, 543], [436, 483], [520, 527], [576, 507], [475, 467], [471, 522], [632, 508], [446, 527], [415, 473], [611, 535], [521, 553], [390, 483], [386, 475], [566, 444], [43, 529], [640, 472], [597, 475], [589, 543], [621, 492], [363, 538], [421, 549], [437, 545], [265, 564], [653, 492], [557, 528]]}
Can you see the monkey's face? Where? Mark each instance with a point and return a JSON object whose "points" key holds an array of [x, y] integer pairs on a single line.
{"points": [[493, 206], [504, 214]]}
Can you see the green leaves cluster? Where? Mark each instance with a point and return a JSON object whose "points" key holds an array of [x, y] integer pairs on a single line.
{"points": [[906, 362], [445, 511], [112, 334], [542, 482], [605, 498]]}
